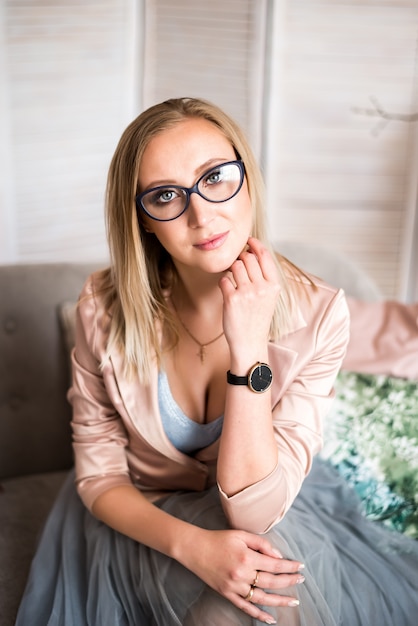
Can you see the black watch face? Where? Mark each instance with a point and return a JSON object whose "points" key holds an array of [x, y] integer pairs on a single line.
{"points": [[261, 378]]}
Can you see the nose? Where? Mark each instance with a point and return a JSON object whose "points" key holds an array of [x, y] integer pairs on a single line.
{"points": [[200, 211]]}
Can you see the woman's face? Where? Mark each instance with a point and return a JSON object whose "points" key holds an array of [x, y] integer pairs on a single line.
{"points": [[208, 236]]}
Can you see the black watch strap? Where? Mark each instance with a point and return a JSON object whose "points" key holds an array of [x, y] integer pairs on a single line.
{"points": [[236, 380]]}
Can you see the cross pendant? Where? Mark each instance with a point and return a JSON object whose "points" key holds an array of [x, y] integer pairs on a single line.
{"points": [[201, 353]]}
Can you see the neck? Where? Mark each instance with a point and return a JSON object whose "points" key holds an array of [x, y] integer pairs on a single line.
{"points": [[198, 292], [198, 304]]}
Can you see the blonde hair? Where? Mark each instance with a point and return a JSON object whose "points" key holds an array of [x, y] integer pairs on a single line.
{"points": [[141, 270]]}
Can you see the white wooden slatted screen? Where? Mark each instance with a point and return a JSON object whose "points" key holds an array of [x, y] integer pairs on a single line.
{"points": [[213, 50], [72, 75], [67, 73], [335, 175]]}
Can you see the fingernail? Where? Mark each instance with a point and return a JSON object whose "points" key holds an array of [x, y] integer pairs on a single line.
{"points": [[293, 603], [270, 620], [277, 553], [301, 565], [300, 579]]}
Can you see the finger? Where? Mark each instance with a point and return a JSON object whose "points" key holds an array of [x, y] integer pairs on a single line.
{"points": [[252, 608], [279, 581], [270, 559], [258, 543], [265, 259], [255, 245], [252, 266], [278, 566], [227, 285], [239, 272], [273, 599]]}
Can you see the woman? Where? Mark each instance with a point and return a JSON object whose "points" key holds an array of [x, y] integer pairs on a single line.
{"points": [[202, 369]]}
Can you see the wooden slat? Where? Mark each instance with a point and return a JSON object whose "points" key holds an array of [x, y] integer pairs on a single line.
{"points": [[68, 79], [213, 50]]}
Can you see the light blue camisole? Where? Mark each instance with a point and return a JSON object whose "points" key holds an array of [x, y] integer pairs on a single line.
{"points": [[185, 434]]}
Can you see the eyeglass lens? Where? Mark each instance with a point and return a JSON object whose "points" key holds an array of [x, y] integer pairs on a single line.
{"points": [[219, 184]]}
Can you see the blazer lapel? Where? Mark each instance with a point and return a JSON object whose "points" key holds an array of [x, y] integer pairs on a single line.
{"points": [[140, 403]]}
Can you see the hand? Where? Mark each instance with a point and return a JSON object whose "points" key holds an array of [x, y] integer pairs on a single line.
{"points": [[250, 292], [230, 560]]}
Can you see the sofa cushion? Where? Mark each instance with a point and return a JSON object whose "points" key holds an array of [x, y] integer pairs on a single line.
{"points": [[35, 415], [383, 338], [24, 506]]}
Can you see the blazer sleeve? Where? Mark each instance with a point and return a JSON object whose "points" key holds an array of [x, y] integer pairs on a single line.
{"points": [[297, 417], [99, 435]]}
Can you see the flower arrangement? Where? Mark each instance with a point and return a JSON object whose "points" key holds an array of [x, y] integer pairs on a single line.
{"points": [[371, 438]]}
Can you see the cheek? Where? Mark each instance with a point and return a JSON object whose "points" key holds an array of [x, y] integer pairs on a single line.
{"points": [[245, 212], [166, 235]]}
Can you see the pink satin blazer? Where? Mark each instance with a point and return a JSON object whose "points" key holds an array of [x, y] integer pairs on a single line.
{"points": [[119, 439]]}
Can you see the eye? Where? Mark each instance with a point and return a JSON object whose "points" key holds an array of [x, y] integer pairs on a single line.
{"points": [[163, 196], [214, 176]]}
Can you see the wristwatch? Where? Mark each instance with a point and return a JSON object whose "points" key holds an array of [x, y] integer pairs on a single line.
{"points": [[259, 378]]}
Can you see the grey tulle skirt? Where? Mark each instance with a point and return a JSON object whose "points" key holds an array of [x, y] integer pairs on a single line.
{"points": [[357, 573]]}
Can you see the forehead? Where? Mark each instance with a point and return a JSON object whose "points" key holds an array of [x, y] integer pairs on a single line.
{"points": [[188, 130], [188, 145]]}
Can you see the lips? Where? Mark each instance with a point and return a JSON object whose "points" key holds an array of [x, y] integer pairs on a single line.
{"points": [[212, 243]]}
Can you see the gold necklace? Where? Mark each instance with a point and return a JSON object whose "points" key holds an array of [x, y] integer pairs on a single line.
{"points": [[202, 346]]}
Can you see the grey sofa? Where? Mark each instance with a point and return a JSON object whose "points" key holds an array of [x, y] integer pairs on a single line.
{"points": [[35, 441]]}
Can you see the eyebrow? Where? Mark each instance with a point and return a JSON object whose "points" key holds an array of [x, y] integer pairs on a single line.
{"points": [[204, 167]]}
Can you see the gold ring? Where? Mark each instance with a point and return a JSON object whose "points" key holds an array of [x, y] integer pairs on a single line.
{"points": [[255, 579], [249, 594]]}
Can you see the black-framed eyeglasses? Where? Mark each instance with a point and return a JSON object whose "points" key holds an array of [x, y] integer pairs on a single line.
{"points": [[167, 202]]}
